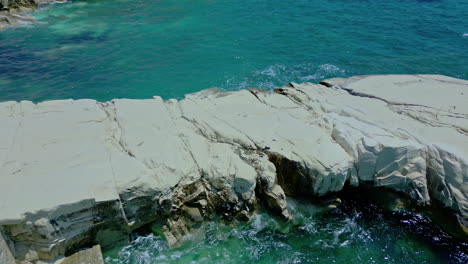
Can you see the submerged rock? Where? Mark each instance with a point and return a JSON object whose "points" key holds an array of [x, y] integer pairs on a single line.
{"points": [[80, 173], [14, 12], [7, 18]]}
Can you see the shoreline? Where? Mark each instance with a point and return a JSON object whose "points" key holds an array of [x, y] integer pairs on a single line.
{"points": [[105, 169], [220, 90], [18, 11]]}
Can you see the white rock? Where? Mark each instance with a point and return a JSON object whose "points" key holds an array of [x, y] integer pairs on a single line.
{"points": [[64, 164], [6, 257]]}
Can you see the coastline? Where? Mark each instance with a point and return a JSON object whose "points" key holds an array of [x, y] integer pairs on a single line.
{"points": [[105, 169], [18, 12]]}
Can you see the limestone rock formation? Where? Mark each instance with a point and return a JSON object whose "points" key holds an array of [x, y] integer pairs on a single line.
{"points": [[78, 173], [88, 256], [6, 257]]}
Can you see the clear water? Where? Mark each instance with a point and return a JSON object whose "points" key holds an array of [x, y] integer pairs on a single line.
{"points": [[106, 49], [353, 233]]}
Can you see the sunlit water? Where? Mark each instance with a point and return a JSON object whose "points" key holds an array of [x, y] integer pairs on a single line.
{"points": [[353, 233], [104, 49]]}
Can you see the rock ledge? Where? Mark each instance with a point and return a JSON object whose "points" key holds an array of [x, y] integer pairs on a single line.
{"points": [[75, 174]]}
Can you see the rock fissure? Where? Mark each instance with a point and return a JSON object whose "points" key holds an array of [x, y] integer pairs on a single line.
{"points": [[236, 129], [114, 180], [112, 116]]}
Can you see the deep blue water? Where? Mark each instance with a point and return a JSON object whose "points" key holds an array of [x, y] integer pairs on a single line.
{"points": [[104, 49]]}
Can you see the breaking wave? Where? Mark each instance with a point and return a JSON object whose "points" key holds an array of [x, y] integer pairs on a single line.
{"points": [[278, 75], [352, 233]]}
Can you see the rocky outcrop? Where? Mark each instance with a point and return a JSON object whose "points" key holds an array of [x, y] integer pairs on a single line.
{"points": [[80, 173], [88, 256], [15, 5], [6, 257], [14, 12]]}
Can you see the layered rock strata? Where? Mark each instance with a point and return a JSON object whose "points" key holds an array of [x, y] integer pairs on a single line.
{"points": [[79, 173]]}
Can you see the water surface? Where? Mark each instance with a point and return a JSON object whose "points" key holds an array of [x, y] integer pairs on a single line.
{"points": [[356, 232], [104, 49]]}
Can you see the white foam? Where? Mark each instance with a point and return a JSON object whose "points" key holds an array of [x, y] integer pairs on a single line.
{"points": [[324, 71], [277, 75]]}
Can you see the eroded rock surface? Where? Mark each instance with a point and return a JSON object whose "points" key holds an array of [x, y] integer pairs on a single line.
{"points": [[88, 256], [78, 173], [6, 257]]}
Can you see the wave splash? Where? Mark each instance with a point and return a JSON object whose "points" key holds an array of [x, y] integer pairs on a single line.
{"points": [[349, 234], [278, 75]]}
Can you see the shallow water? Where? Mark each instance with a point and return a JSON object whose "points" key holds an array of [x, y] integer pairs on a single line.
{"points": [[104, 49], [353, 233]]}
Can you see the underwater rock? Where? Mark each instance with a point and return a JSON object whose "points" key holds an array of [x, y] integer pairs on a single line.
{"points": [[80, 173], [14, 12], [7, 19]]}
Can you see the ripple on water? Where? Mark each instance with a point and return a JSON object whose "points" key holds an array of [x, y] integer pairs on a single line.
{"points": [[278, 75], [140, 48], [317, 235]]}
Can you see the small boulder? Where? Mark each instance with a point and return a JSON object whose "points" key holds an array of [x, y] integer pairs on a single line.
{"points": [[193, 213]]}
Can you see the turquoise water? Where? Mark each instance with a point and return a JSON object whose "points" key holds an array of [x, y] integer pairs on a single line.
{"points": [[106, 49], [356, 232]]}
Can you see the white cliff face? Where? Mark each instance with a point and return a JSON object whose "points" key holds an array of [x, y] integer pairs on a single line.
{"points": [[73, 172], [430, 114], [6, 257]]}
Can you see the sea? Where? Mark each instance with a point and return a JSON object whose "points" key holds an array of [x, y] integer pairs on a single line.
{"points": [[105, 49]]}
